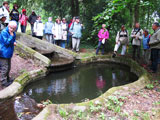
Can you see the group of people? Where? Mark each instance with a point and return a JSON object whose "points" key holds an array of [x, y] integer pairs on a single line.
{"points": [[59, 32], [150, 43]]}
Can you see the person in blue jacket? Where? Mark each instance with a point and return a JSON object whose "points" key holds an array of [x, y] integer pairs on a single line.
{"points": [[7, 43], [146, 51], [76, 31], [48, 30]]}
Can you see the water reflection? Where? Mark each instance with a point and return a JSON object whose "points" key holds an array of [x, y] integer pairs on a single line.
{"points": [[86, 82]]}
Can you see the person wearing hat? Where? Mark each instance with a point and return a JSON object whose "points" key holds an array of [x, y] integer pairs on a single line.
{"points": [[14, 15], [23, 20], [32, 19], [154, 44], [2, 22], [5, 10], [7, 43], [76, 31]]}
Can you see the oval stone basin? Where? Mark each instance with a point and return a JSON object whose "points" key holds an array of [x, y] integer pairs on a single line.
{"points": [[80, 83]]}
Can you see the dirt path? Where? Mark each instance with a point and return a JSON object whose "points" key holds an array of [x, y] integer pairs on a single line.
{"points": [[20, 65]]}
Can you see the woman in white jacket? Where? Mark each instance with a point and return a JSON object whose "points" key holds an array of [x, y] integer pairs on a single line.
{"points": [[57, 31], [38, 28], [64, 32]]}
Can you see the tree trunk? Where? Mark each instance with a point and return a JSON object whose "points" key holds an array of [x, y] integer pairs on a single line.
{"points": [[72, 8], [76, 8], [136, 12], [148, 15]]}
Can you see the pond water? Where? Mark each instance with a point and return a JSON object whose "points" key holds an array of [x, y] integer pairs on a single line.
{"points": [[80, 83]]}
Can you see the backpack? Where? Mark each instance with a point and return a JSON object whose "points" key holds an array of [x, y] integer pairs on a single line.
{"points": [[123, 36], [1, 7]]}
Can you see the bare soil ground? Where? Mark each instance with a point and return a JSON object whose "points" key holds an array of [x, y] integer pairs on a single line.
{"points": [[20, 65]]}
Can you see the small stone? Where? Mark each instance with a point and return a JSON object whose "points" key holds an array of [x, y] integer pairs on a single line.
{"points": [[79, 108], [97, 102]]}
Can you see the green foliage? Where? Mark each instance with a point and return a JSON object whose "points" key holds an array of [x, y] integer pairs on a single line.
{"points": [[62, 113], [150, 86], [114, 103]]}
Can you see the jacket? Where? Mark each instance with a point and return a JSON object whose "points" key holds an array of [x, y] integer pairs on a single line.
{"points": [[6, 43], [122, 37], [48, 27], [2, 26], [23, 19], [14, 15], [137, 41], [57, 31], [38, 28], [32, 18], [76, 30], [64, 31], [146, 41], [155, 40], [5, 12], [103, 34]]}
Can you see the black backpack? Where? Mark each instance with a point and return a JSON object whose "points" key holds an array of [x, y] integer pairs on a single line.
{"points": [[1, 7]]}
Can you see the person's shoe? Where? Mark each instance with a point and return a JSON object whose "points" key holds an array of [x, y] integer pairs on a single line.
{"points": [[114, 55], [10, 81], [6, 84]]}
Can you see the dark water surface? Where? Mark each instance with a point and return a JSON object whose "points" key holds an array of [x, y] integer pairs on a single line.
{"points": [[80, 83]]}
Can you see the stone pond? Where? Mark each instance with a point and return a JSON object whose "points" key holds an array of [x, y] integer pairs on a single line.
{"points": [[78, 81]]}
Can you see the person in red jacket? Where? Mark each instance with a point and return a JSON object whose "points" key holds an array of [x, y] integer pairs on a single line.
{"points": [[23, 20]]}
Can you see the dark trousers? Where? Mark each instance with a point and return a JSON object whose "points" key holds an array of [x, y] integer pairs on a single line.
{"points": [[5, 66], [23, 29], [99, 45], [136, 52], [154, 59], [39, 37]]}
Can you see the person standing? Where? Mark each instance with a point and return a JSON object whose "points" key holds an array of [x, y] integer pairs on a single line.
{"points": [[136, 36], [146, 51], [23, 20], [76, 31], [64, 32], [57, 31], [155, 47], [5, 10], [7, 43], [38, 28], [103, 35], [14, 15], [121, 39], [32, 19], [48, 30], [2, 22], [69, 35]]}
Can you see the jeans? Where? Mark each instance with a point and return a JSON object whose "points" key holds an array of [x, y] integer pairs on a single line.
{"points": [[49, 38], [32, 26], [5, 66], [63, 43], [154, 59], [23, 29], [69, 40], [136, 50], [99, 45]]}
